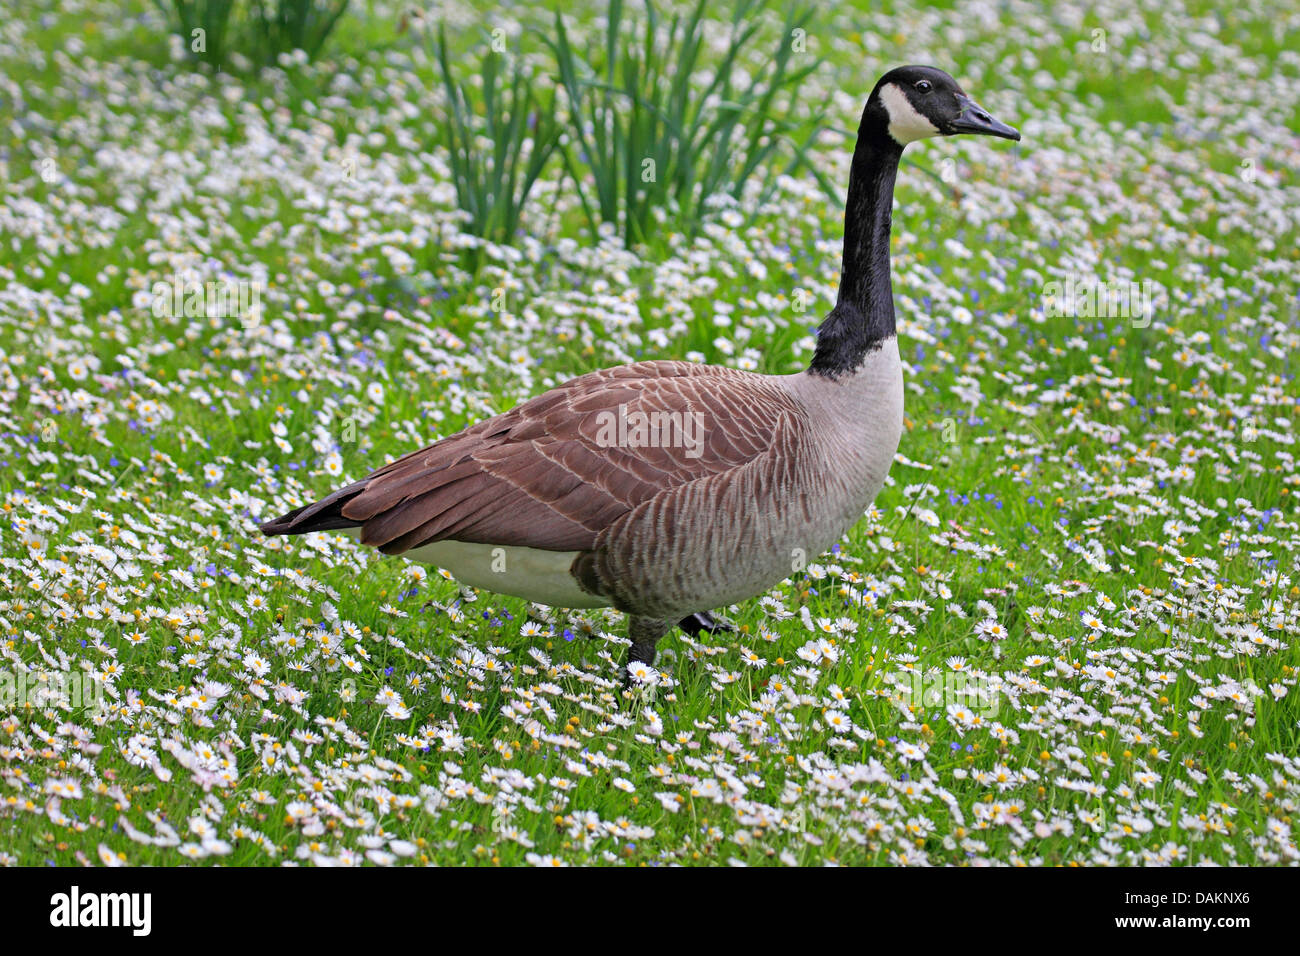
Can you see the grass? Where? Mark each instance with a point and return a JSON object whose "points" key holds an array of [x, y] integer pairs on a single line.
{"points": [[259, 31], [1117, 499], [524, 129], [661, 126]]}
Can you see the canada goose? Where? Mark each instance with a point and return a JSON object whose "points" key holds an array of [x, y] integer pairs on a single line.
{"points": [[665, 489]]}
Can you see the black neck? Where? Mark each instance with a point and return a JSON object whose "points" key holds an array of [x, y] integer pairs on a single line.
{"points": [[863, 316]]}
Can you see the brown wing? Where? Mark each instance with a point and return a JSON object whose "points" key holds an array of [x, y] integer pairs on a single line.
{"points": [[553, 472]]}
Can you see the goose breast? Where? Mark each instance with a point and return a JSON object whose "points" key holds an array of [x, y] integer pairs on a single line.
{"points": [[729, 536]]}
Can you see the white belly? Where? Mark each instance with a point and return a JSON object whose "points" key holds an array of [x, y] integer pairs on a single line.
{"points": [[529, 573]]}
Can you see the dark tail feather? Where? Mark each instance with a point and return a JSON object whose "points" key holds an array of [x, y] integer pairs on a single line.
{"points": [[323, 515], [287, 524]]}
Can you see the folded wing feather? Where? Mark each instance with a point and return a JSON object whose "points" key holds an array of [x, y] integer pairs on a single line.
{"points": [[546, 475]]}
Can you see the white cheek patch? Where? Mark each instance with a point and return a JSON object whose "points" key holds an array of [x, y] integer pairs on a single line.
{"points": [[906, 125]]}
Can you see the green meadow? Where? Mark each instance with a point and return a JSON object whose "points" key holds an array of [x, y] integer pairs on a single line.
{"points": [[1066, 633]]}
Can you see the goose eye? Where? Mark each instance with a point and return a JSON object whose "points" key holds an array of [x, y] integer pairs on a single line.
{"points": [[923, 86]]}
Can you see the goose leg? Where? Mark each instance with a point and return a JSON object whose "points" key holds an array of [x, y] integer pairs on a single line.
{"points": [[703, 621], [645, 633]]}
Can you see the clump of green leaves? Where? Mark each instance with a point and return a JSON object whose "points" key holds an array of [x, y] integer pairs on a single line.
{"points": [[282, 26], [500, 134], [260, 30], [658, 123]]}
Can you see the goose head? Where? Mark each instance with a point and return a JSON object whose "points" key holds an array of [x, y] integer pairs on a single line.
{"points": [[916, 102]]}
